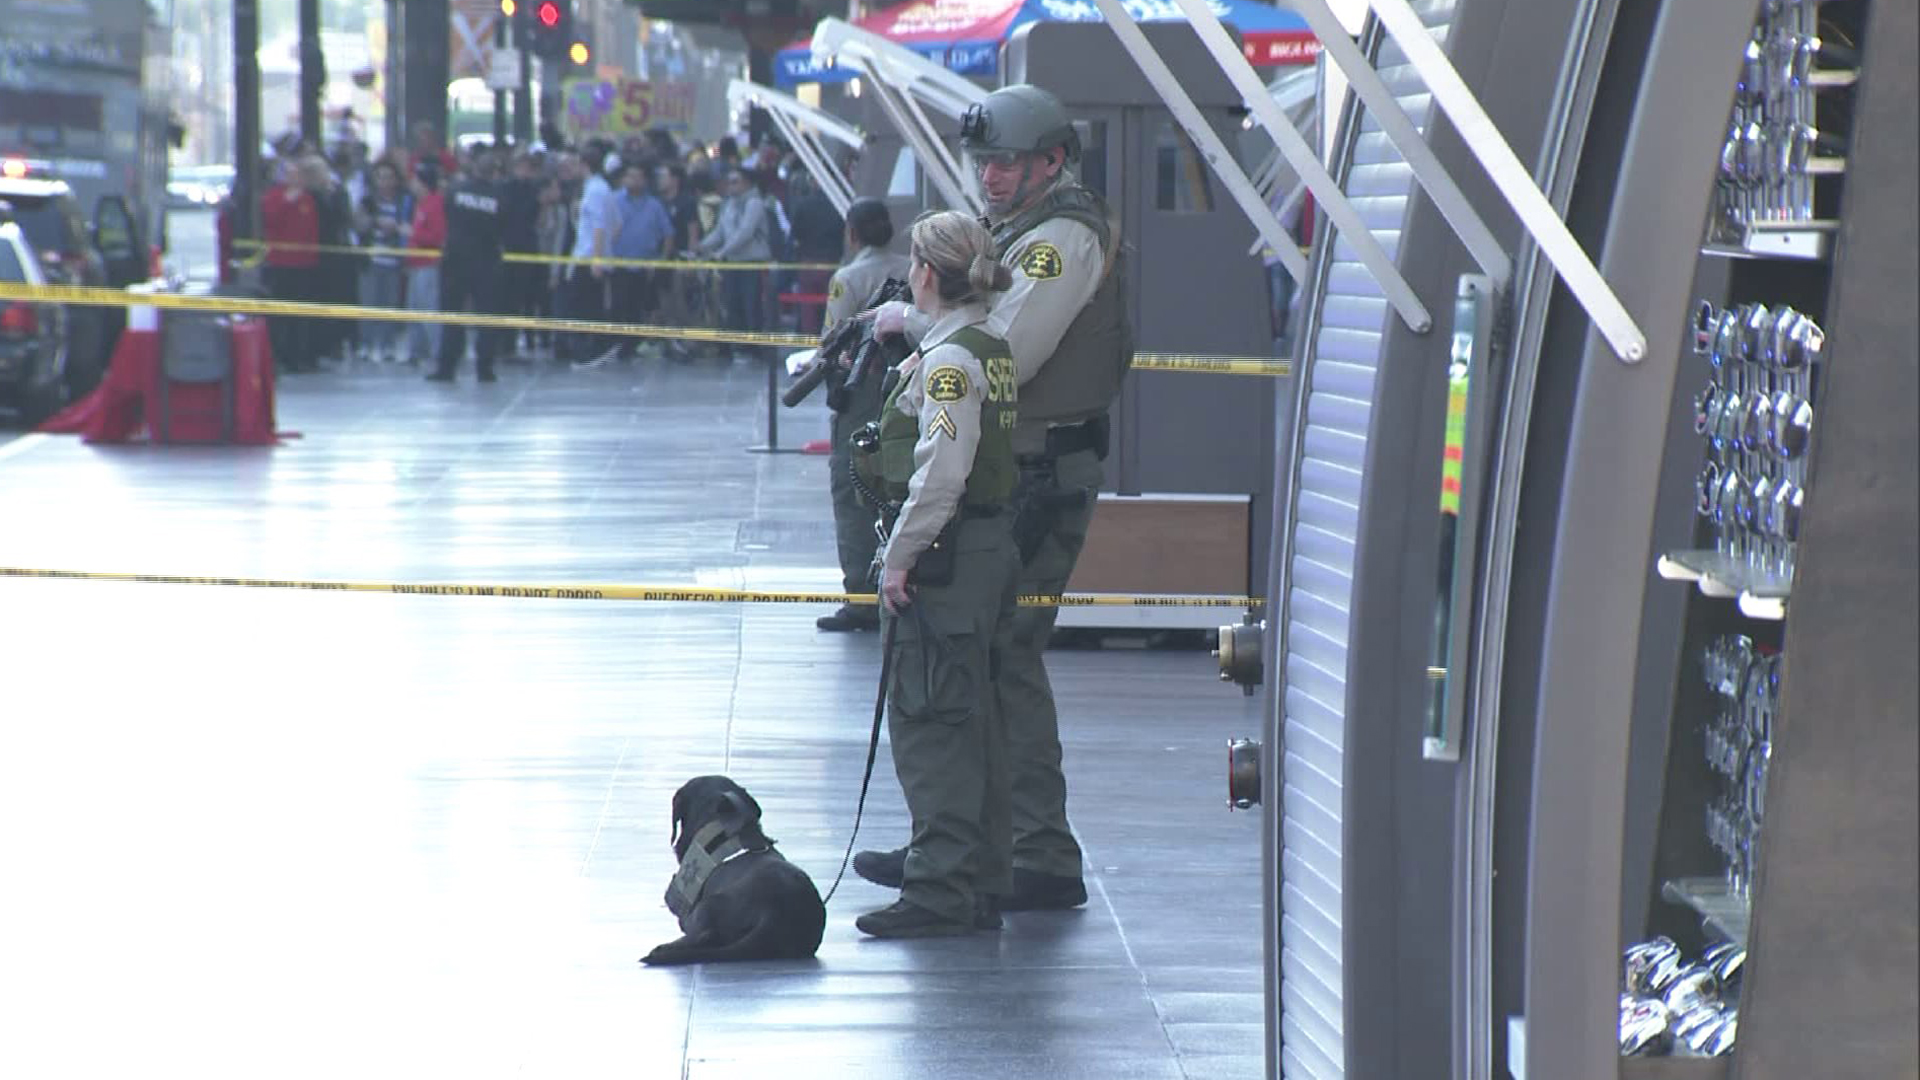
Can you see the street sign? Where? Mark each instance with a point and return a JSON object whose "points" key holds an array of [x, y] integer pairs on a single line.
{"points": [[505, 72]]}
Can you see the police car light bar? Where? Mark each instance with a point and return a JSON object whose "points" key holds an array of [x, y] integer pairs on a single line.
{"points": [[19, 168]]}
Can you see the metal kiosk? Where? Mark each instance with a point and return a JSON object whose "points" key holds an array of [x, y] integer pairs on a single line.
{"points": [[1589, 747]]}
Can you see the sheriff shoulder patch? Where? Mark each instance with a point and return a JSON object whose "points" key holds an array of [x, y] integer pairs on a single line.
{"points": [[947, 383], [1042, 262], [944, 424], [836, 289]]}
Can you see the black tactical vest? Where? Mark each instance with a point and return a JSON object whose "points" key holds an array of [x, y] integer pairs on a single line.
{"points": [[990, 483]]}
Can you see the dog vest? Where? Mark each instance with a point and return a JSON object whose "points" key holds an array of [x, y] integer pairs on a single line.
{"points": [[711, 846]]}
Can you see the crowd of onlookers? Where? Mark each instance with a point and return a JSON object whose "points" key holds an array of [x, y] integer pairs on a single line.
{"points": [[349, 227]]}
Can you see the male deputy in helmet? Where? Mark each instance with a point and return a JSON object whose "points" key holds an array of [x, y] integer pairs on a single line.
{"points": [[1065, 324]]}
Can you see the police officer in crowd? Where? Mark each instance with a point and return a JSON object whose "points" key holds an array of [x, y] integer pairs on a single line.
{"points": [[523, 283], [869, 230], [1065, 322], [471, 276], [945, 459]]}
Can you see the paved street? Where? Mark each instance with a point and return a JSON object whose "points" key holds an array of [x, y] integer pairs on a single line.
{"points": [[255, 832]]}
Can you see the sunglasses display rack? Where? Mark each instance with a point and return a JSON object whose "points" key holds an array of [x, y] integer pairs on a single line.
{"points": [[1670, 1005], [1777, 155], [1667, 1005], [1755, 413], [1776, 199], [1759, 333]]}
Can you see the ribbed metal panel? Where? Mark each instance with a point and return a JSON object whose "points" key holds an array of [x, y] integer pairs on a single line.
{"points": [[1324, 544]]}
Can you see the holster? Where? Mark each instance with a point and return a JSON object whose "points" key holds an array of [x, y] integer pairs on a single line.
{"points": [[1038, 504], [934, 567], [1095, 435]]}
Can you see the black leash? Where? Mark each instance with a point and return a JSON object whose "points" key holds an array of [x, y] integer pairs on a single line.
{"points": [[873, 749]]}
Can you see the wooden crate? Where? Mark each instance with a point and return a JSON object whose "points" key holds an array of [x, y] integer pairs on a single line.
{"points": [[1159, 543]]}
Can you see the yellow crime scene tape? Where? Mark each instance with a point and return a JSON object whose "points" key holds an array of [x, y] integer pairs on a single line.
{"points": [[240, 305], [603, 591], [262, 246], [1217, 365], [67, 294]]}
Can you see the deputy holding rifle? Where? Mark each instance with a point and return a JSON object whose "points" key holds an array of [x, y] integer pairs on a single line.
{"points": [[869, 231]]}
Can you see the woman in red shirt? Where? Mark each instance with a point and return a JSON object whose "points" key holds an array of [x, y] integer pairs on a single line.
{"points": [[428, 231], [290, 224]]}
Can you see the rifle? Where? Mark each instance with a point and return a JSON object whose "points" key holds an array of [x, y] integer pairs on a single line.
{"points": [[852, 338]]}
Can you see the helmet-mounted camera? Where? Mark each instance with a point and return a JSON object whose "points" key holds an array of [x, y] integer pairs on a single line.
{"points": [[976, 126]]}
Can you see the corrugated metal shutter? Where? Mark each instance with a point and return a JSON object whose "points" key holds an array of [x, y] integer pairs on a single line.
{"points": [[1320, 589]]}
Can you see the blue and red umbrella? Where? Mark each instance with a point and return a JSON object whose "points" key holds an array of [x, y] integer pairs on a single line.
{"points": [[965, 36]]}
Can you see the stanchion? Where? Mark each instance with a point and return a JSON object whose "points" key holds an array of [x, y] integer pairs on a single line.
{"points": [[772, 445]]}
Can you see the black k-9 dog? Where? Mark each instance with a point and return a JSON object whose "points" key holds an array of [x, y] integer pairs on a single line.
{"points": [[736, 897]]}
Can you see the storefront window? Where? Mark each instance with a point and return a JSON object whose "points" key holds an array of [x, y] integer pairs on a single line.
{"points": [[1181, 185], [906, 175], [1093, 157]]}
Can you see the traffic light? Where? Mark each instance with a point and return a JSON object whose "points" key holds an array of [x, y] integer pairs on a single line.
{"points": [[552, 28], [579, 53]]}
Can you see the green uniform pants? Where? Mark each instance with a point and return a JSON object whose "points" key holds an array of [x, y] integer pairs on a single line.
{"points": [[852, 518], [948, 737], [1042, 839]]}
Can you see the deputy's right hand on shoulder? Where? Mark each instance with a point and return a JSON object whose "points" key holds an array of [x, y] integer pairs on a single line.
{"points": [[889, 318]]}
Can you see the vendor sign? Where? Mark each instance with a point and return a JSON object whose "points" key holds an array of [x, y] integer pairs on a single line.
{"points": [[617, 107]]}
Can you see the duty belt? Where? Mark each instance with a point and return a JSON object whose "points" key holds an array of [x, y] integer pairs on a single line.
{"points": [[890, 514]]}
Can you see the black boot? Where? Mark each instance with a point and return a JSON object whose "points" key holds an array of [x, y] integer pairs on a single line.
{"points": [[902, 919], [487, 375], [850, 617], [986, 912], [1035, 891], [440, 374], [887, 868]]}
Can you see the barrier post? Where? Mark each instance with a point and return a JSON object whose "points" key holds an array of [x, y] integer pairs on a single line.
{"points": [[772, 445]]}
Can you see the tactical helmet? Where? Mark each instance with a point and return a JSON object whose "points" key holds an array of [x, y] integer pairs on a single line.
{"points": [[1020, 118]]}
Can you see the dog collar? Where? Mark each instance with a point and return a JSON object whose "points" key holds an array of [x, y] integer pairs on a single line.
{"points": [[711, 847]]}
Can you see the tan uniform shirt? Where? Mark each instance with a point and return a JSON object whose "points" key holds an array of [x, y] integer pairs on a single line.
{"points": [[854, 283], [1057, 266], [949, 437]]}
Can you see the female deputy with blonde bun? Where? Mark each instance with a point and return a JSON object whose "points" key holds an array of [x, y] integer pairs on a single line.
{"points": [[945, 460]]}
